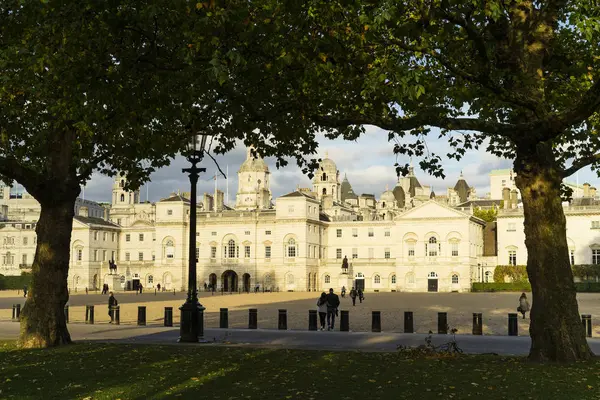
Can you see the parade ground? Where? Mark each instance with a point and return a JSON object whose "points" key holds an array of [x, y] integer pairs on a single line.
{"points": [[460, 307]]}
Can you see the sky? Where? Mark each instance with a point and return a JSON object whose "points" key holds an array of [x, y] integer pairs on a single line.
{"points": [[368, 163]]}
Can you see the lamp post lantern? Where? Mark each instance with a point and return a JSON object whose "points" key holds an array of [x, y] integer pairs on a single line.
{"points": [[192, 312]]}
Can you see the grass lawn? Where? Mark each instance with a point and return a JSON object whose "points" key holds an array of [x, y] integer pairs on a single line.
{"points": [[117, 371]]}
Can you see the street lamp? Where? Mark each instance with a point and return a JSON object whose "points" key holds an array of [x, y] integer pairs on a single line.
{"points": [[192, 312]]}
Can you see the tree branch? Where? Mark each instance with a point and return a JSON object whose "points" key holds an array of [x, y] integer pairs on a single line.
{"points": [[583, 109], [578, 164], [13, 169]]}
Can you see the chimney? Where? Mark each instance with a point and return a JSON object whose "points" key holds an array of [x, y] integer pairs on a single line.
{"points": [[219, 200], [593, 192], [83, 211], [513, 198], [106, 213], [586, 190], [506, 198], [207, 202]]}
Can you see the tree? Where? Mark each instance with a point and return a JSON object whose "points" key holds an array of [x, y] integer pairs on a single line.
{"points": [[516, 77], [489, 215]]}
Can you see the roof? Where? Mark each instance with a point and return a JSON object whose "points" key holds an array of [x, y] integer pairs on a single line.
{"points": [[176, 197], [323, 217], [462, 189], [399, 195], [432, 195], [94, 221], [367, 195], [346, 190], [584, 201], [297, 193], [480, 203]]}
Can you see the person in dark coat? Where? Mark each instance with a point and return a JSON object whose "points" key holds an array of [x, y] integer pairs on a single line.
{"points": [[158, 287], [353, 295], [333, 302], [361, 296], [25, 291], [523, 304], [322, 307], [112, 302]]}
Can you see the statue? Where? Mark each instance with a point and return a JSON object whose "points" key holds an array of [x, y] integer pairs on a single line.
{"points": [[345, 265], [112, 266]]}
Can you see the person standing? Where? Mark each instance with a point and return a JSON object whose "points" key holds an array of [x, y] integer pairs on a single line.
{"points": [[343, 291], [322, 307], [158, 287], [25, 291], [523, 304], [361, 296], [353, 295], [112, 303], [333, 302], [141, 288]]}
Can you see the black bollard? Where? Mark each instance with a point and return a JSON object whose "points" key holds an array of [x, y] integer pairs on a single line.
{"points": [[168, 320], [282, 324], [312, 320], [345, 321], [224, 318], [252, 318], [16, 312], [141, 315], [66, 314], [408, 322], [117, 311], [89, 315], [477, 324], [376, 321], [513, 325], [586, 319], [442, 323]]}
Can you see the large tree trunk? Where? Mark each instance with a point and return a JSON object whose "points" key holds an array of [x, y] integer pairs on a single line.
{"points": [[43, 321], [556, 330]]}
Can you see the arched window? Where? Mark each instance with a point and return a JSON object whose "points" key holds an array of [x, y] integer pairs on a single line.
{"points": [[383, 204], [231, 248], [291, 248], [122, 279], [122, 197], [432, 275], [432, 248], [122, 183], [327, 279], [169, 249], [324, 177], [324, 191], [488, 274], [455, 279], [394, 279], [150, 280], [377, 279]]}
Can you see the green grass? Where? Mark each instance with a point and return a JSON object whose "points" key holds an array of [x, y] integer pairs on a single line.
{"points": [[116, 371]]}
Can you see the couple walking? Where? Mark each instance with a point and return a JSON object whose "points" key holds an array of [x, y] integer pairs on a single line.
{"points": [[328, 307]]}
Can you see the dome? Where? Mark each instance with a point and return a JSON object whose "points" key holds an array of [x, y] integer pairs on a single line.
{"points": [[398, 193], [327, 164], [253, 164], [387, 197]]}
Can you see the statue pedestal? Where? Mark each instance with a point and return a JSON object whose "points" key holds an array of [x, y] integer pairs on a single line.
{"points": [[114, 282]]}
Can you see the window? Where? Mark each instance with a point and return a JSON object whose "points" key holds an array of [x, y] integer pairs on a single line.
{"points": [[595, 256], [432, 248], [503, 182], [247, 251], [122, 198], [411, 249], [127, 256], [150, 280], [140, 256], [267, 251], [197, 234], [488, 274], [79, 254], [141, 237], [512, 257], [170, 249], [24, 259], [25, 241], [455, 279], [213, 252], [511, 227], [213, 233], [371, 252], [114, 235], [197, 250], [169, 212], [128, 237], [267, 232], [377, 279], [387, 253], [8, 259], [104, 236], [246, 232], [231, 248], [291, 209], [355, 253], [394, 279], [371, 234], [338, 253], [354, 232], [387, 232], [572, 253], [338, 233], [103, 255], [291, 248], [118, 221], [327, 279], [95, 235], [595, 224], [153, 256], [95, 255], [454, 249]]}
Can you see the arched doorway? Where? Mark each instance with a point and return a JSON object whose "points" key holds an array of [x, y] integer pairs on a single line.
{"points": [[212, 281], [246, 280], [230, 281], [432, 282], [95, 282]]}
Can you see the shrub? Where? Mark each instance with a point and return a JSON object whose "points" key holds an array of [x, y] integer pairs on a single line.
{"points": [[15, 282], [517, 273], [588, 287], [501, 287]]}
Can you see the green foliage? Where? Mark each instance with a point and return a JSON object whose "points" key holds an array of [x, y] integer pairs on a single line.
{"points": [[516, 273], [15, 282], [590, 287], [501, 287], [586, 271], [488, 215], [98, 371]]}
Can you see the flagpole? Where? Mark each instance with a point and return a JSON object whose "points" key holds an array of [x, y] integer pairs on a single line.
{"points": [[216, 184], [227, 181]]}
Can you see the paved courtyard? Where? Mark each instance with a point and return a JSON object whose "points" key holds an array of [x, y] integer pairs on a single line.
{"points": [[425, 306]]}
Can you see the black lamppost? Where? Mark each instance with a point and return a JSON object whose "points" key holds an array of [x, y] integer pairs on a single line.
{"points": [[192, 312]]}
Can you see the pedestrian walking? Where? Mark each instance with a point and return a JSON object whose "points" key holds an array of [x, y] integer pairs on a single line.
{"points": [[141, 288], [112, 302], [333, 302], [361, 295], [158, 287], [343, 291], [353, 295], [25, 291], [322, 307], [86, 290], [523, 304]]}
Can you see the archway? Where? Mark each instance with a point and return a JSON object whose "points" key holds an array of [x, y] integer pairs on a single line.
{"points": [[246, 280], [432, 282], [95, 282], [212, 281], [230, 281]]}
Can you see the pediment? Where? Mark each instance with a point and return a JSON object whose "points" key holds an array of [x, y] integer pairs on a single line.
{"points": [[431, 210], [141, 222]]}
